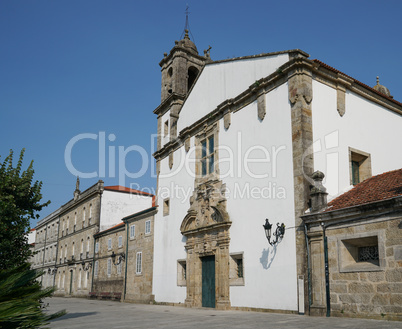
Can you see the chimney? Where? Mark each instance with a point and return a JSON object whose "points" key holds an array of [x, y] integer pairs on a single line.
{"points": [[318, 192]]}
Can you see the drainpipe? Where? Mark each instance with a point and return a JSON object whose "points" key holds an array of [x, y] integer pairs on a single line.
{"points": [[326, 271], [93, 265], [125, 266], [308, 269]]}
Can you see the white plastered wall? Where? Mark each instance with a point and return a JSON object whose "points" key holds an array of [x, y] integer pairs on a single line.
{"points": [[116, 205], [177, 184], [365, 126], [268, 271], [222, 81]]}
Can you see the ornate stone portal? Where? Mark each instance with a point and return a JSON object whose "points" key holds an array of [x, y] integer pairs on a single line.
{"points": [[206, 227]]}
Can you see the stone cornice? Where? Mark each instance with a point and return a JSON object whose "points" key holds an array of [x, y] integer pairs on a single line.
{"points": [[292, 53], [258, 88], [334, 79], [97, 188], [87, 228], [168, 102], [140, 215], [391, 206], [297, 65], [110, 230], [209, 228], [175, 51], [51, 217]]}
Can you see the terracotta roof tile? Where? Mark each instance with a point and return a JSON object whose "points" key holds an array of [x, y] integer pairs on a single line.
{"points": [[356, 81], [110, 228], [384, 186], [119, 188]]}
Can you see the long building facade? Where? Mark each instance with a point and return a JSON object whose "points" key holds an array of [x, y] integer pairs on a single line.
{"points": [[65, 247], [240, 142]]}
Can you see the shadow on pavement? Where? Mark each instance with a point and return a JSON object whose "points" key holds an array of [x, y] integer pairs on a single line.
{"points": [[73, 315]]}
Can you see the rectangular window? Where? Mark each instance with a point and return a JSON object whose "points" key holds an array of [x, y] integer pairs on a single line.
{"points": [[139, 263], [96, 268], [360, 253], [236, 270], [109, 267], [181, 272], [166, 204], [360, 166], [239, 262], [368, 253], [96, 247], [120, 241], [119, 268], [132, 231], [79, 279], [207, 156], [147, 227], [355, 173], [166, 128], [109, 244]]}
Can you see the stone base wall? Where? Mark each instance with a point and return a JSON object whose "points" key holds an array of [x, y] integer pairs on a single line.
{"points": [[360, 289], [109, 286]]}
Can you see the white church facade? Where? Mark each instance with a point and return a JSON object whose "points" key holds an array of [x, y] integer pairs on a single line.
{"points": [[238, 142]]}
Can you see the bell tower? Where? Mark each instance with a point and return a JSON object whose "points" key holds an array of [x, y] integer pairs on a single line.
{"points": [[181, 67]]}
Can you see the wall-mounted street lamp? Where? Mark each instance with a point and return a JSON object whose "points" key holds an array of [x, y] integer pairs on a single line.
{"points": [[278, 234], [121, 258], [86, 268]]}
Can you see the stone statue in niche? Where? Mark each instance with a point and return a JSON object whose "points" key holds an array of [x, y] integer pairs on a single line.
{"points": [[205, 211]]}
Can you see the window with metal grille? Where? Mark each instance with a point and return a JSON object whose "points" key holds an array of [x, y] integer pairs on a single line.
{"points": [[109, 244], [367, 254], [239, 262]]}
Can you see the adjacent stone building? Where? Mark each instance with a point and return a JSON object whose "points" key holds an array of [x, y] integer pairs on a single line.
{"points": [[109, 263], [97, 208], [124, 259], [139, 256], [362, 252], [46, 244]]}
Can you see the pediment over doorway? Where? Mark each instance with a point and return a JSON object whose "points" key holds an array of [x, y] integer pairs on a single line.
{"points": [[207, 209]]}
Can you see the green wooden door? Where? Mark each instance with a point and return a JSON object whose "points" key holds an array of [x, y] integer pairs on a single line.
{"points": [[208, 281]]}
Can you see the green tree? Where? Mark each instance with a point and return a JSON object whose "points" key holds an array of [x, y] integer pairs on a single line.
{"points": [[20, 199], [21, 294], [21, 298]]}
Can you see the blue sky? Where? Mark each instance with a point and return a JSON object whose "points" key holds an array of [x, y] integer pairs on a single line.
{"points": [[90, 66]]}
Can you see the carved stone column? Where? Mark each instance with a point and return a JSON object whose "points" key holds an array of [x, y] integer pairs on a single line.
{"points": [[300, 97]]}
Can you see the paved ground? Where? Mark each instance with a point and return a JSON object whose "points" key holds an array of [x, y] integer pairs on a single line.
{"points": [[86, 314]]}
